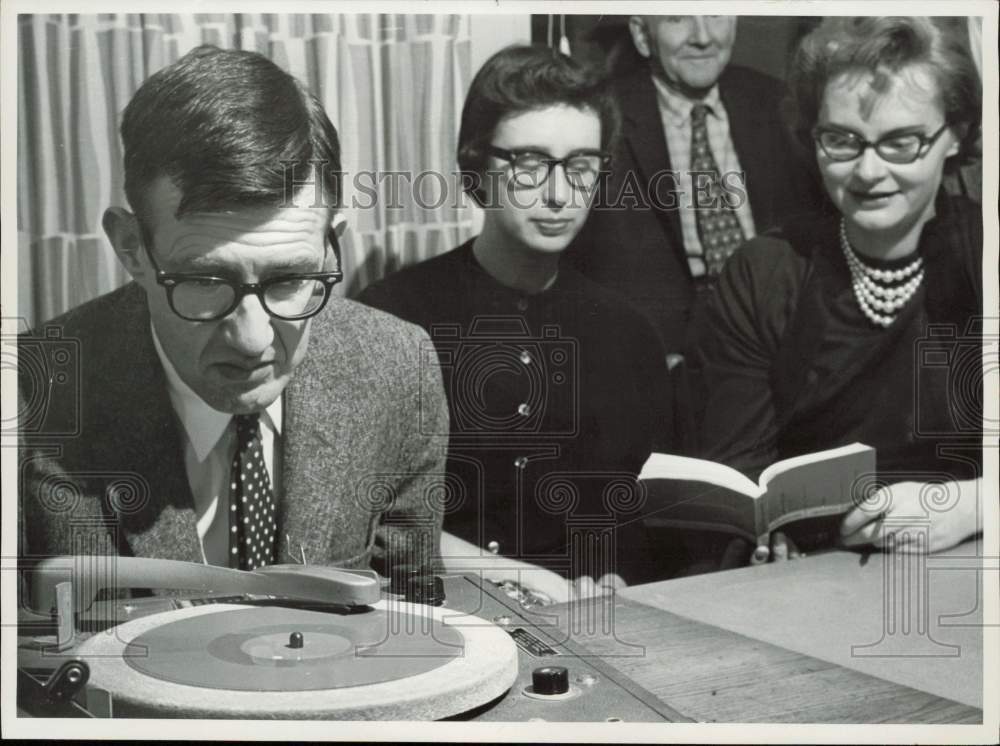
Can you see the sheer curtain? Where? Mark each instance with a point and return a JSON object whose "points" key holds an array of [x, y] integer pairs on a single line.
{"points": [[392, 84]]}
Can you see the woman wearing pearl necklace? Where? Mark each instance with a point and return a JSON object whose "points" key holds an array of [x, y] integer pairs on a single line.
{"points": [[860, 324]]}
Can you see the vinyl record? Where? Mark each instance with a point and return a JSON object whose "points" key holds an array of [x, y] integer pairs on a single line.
{"points": [[395, 661]]}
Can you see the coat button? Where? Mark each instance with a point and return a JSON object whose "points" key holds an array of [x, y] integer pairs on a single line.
{"points": [[525, 357], [493, 547], [520, 462], [524, 410]]}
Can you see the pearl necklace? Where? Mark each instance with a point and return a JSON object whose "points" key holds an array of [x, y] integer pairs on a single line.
{"points": [[878, 292]]}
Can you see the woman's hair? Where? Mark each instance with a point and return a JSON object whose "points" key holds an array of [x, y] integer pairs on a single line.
{"points": [[524, 78], [884, 47]]}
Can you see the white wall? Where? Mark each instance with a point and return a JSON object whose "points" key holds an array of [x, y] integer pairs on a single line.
{"points": [[491, 32]]}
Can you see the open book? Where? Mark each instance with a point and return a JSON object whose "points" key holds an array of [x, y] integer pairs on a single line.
{"points": [[693, 493]]}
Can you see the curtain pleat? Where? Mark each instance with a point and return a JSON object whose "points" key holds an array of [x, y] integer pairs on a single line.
{"points": [[392, 84]]}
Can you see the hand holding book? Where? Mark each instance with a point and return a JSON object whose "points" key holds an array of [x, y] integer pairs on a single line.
{"points": [[740, 552], [702, 495], [906, 516], [915, 516]]}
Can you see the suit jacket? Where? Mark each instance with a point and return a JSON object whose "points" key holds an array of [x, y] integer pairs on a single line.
{"points": [[101, 459], [639, 251]]}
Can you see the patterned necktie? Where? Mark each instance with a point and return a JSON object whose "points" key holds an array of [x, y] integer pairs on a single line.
{"points": [[252, 519], [718, 227]]}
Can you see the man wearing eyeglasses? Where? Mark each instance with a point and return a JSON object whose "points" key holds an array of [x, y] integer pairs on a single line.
{"points": [[229, 411], [555, 385], [705, 163]]}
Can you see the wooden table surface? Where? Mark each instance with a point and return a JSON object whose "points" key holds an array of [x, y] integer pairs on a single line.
{"points": [[832, 638]]}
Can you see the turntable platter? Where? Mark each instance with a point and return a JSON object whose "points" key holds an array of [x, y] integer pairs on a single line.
{"points": [[394, 661]]}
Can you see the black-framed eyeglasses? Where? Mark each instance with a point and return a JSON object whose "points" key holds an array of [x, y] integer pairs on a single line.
{"points": [[843, 145], [530, 168], [290, 297]]}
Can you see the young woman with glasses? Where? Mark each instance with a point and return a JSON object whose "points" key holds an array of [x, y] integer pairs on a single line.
{"points": [[556, 387], [861, 324]]}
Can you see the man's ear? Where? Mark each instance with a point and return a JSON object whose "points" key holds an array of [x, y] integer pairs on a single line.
{"points": [[338, 224], [122, 230], [959, 133], [640, 35]]}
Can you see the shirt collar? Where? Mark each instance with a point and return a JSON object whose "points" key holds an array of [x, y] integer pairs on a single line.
{"points": [[203, 425], [678, 107]]}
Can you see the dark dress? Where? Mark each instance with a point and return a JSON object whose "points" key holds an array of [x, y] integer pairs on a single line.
{"points": [[556, 401], [793, 366]]}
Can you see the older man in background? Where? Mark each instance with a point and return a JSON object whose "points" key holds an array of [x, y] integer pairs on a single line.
{"points": [[704, 164]]}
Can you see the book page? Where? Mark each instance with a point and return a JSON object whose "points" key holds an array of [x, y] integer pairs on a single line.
{"points": [[779, 467], [670, 466], [818, 487]]}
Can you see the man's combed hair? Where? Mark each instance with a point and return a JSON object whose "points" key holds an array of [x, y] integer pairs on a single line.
{"points": [[884, 47], [524, 78], [223, 125]]}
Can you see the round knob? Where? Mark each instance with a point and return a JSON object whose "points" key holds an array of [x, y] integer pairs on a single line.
{"points": [[295, 641], [425, 589], [400, 575], [550, 680]]}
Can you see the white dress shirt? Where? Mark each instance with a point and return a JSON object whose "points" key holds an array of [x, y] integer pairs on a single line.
{"points": [[209, 446], [675, 113]]}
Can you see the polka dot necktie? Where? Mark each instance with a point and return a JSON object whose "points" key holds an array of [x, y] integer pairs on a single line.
{"points": [[252, 519], [718, 227]]}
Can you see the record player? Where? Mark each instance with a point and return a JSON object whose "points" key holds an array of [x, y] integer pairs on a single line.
{"points": [[301, 642]]}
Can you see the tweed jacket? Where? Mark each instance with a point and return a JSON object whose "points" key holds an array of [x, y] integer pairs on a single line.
{"points": [[101, 454], [637, 249]]}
